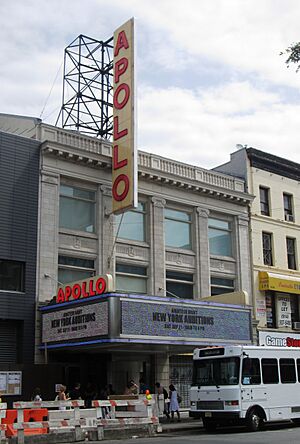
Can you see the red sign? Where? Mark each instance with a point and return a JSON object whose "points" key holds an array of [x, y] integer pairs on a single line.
{"points": [[85, 288], [124, 157]]}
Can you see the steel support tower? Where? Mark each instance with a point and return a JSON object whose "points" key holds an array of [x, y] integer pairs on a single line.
{"points": [[87, 87]]}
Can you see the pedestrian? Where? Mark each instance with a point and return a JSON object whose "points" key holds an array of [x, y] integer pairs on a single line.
{"points": [[174, 405], [160, 390], [75, 393], [36, 395], [61, 396], [131, 388], [143, 386], [90, 394]]}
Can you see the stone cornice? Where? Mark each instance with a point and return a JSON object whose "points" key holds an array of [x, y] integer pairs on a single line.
{"points": [[94, 153]]}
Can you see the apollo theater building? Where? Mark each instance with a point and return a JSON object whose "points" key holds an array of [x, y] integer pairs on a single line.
{"points": [[140, 258]]}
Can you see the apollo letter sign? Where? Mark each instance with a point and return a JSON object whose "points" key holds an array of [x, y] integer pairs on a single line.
{"points": [[124, 158]]}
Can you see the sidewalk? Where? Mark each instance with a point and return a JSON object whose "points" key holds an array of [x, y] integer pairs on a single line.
{"points": [[186, 423]]}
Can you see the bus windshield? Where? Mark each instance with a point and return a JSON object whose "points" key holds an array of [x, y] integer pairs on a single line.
{"points": [[220, 371]]}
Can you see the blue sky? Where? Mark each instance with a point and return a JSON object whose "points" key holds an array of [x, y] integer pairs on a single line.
{"points": [[209, 71]]}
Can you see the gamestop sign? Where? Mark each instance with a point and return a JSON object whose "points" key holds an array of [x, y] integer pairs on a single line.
{"points": [[279, 339], [124, 158], [96, 285]]}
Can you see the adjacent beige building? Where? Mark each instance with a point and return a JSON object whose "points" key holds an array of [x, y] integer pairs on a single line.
{"points": [[275, 240]]}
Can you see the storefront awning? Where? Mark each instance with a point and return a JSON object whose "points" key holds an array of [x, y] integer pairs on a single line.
{"points": [[279, 282]]}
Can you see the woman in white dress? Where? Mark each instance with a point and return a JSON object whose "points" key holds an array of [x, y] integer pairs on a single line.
{"points": [[174, 406]]}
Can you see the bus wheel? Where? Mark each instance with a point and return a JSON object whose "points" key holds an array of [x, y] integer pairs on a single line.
{"points": [[296, 421], [254, 421], [209, 424]]}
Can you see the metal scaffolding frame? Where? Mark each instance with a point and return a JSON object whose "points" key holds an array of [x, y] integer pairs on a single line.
{"points": [[87, 98]]}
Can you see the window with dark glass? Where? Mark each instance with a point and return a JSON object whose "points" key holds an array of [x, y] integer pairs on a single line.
{"points": [[298, 369], [269, 367], [77, 209], [72, 269], [264, 201], [179, 284], [131, 278], [177, 229], [251, 371], [288, 207], [294, 299], [267, 248], [221, 285], [287, 371], [12, 275], [220, 237], [131, 224], [291, 253]]}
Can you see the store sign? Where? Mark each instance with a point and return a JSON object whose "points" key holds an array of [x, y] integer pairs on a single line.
{"points": [[85, 288], [274, 339], [283, 311], [281, 283], [189, 322], [82, 322], [124, 158]]}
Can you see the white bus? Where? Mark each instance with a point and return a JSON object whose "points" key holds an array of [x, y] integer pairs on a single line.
{"points": [[245, 384]]}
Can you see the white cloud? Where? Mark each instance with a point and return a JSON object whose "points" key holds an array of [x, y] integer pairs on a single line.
{"points": [[204, 129]]}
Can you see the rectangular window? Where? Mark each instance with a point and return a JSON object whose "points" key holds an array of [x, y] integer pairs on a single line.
{"points": [[269, 371], [298, 369], [77, 209], [264, 201], [251, 371], [287, 371], [291, 253], [288, 207], [267, 248], [72, 269], [221, 285], [132, 224], [179, 284], [177, 229], [131, 278], [219, 235], [12, 275]]}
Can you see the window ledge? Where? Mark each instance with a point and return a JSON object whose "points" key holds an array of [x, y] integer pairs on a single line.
{"points": [[180, 251], [132, 242], [78, 233], [223, 258]]}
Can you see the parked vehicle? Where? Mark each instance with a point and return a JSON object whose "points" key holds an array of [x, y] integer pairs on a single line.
{"points": [[245, 384]]}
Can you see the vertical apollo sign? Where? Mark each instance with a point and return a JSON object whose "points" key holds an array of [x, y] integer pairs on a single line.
{"points": [[124, 158]]}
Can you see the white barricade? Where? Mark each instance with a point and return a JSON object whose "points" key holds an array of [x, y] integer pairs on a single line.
{"points": [[108, 414], [3, 408], [20, 406]]}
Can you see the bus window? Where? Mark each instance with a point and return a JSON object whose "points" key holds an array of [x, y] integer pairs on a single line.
{"points": [[298, 369], [270, 371], [251, 371], [287, 371], [221, 371]]}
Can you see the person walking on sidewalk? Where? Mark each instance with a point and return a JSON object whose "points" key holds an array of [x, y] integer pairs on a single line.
{"points": [[160, 390], [174, 405]]}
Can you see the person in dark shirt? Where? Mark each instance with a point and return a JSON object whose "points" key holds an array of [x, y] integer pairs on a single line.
{"points": [[75, 393]]}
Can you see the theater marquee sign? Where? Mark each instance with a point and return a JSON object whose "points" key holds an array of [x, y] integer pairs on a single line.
{"points": [[117, 318], [76, 322]]}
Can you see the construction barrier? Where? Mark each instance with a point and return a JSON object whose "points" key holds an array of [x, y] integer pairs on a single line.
{"points": [[3, 408], [108, 414], [41, 427]]}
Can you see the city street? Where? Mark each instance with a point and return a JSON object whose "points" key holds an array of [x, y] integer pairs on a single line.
{"points": [[278, 433]]}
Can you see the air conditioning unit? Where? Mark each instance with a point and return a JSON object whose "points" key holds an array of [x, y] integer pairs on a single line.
{"points": [[289, 217], [296, 325]]}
